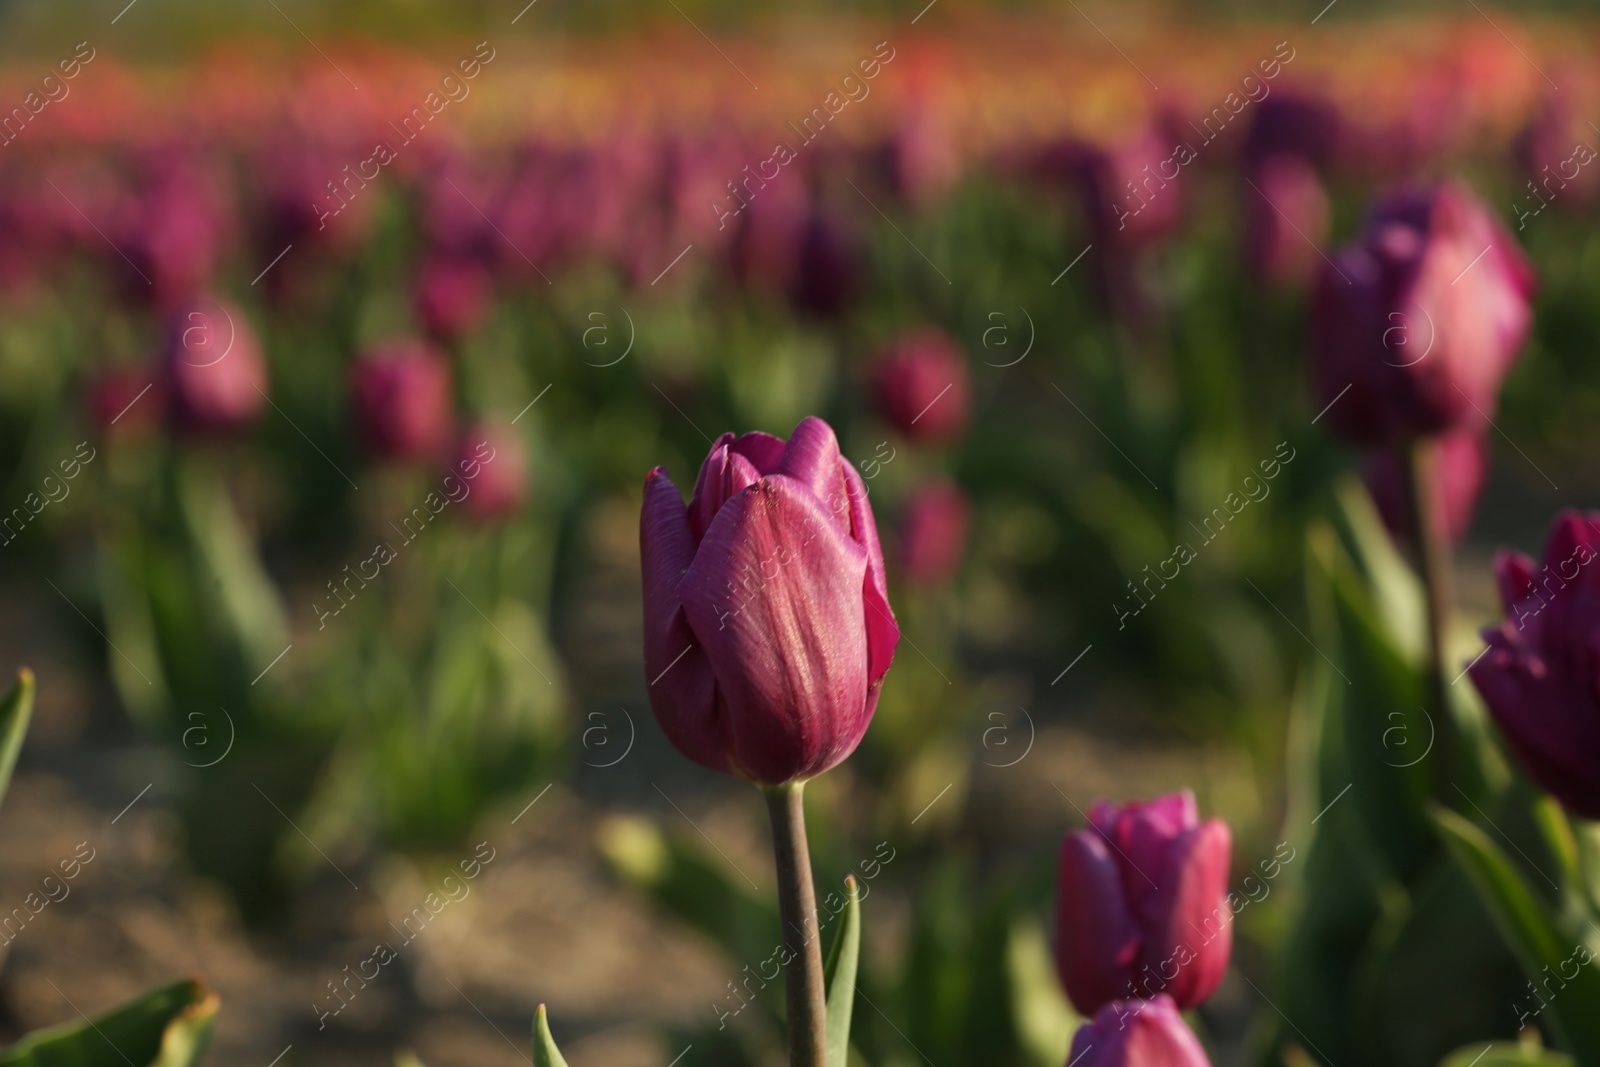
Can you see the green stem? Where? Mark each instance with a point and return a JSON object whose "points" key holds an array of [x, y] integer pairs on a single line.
{"points": [[797, 908], [1433, 555]]}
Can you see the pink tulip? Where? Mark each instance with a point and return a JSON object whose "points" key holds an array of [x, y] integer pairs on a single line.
{"points": [[1539, 674], [402, 402], [1137, 1033], [453, 294], [933, 533], [215, 380], [920, 386], [1286, 219], [1458, 464], [498, 463], [767, 621], [1414, 327], [1142, 904]]}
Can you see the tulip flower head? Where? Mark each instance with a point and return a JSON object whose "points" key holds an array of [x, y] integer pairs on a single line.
{"points": [[933, 533], [1455, 480], [1539, 674], [921, 387], [401, 400], [1142, 904], [767, 621], [492, 458], [215, 381], [1137, 1033], [1414, 327]]}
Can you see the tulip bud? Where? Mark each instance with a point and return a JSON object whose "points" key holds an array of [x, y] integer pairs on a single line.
{"points": [[1537, 676], [1413, 327], [933, 533], [920, 387], [1137, 1033], [1455, 476], [401, 401], [1142, 904], [124, 401], [452, 296], [495, 463], [767, 623], [215, 381], [1286, 219], [1132, 190], [1285, 124], [827, 278]]}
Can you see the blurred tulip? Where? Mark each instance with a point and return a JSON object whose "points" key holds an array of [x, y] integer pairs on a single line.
{"points": [[1458, 463], [214, 379], [1142, 904], [767, 621], [1556, 161], [1293, 125], [1414, 327], [1538, 674], [827, 278], [176, 229], [920, 386], [922, 161], [1137, 1033], [1133, 190], [402, 401], [124, 401], [1286, 219], [498, 462], [453, 294], [933, 533]]}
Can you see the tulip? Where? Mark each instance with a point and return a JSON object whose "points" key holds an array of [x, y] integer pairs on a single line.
{"points": [[827, 278], [1300, 126], [922, 160], [453, 294], [494, 462], [123, 401], [1132, 190], [1414, 326], [1142, 904], [767, 621], [1286, 219], [214, 378], [1538, 674], [933, 533], [401, 401], [1456, 478], [920, 386], [1137, 1033]]}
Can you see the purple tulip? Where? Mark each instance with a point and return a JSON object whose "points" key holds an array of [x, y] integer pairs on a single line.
{"points": [[1286, 124], [1286, 219], [453, 294], [1539, 675], [1414, 327], [1142, 904], [215, 381], [402, 401], [494, 462], [1459, 461], [933, 533], [1132, 190], [767, 621], [1137, 1033], [921, 388], [827, 276]]}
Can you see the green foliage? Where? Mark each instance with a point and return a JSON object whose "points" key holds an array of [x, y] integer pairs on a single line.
{"points": [[15, 712], [167, 1027]]}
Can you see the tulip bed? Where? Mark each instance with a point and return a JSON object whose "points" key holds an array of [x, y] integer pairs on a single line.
{"points": [[926, 470]]}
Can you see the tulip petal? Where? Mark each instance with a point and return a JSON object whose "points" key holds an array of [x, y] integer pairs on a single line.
{"points": [[1188, 921], [883, 632], [681, 684], [761, 449], [724, 473], [1097, 941], [774, 596], [1513, 573], [812, 458]]}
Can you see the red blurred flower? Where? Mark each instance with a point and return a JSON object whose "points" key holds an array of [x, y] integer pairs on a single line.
{"points": [[453, 294], [213, 376], [920, 386], [933, 533], [1137, 1033], [1286, 219], [494, 461], [402, 401], [1458, 463]]}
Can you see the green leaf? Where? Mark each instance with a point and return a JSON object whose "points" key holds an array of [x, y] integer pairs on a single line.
{"points": [[840, 976], [166, 1027], [1532, 933], [14, 713], [1505, 1056], [545, 1053]]}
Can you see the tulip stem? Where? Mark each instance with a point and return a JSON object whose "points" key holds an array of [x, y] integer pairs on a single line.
{"points": [[1432, 542], [797, 908]]}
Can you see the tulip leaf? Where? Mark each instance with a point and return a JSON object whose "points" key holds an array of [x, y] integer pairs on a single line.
{"points": [[840, 976], [15, 711], [1505, 1056], [166, 1027], [545, 1053], [1535, 938]]}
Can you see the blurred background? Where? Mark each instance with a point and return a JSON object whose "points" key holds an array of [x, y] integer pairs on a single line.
{"points": [[297, 665]]}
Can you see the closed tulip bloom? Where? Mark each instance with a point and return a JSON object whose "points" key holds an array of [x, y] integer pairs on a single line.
{"points": [[827, 276], [1137, 1033], [1286, 219], [453, 295], [1420, 320], [1456, 478], [400, 396], [122, 401], [920, 386], [494, 463], [767, 622], [1142, 904], [215, 381], [933, 533], [1539, 675]]}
